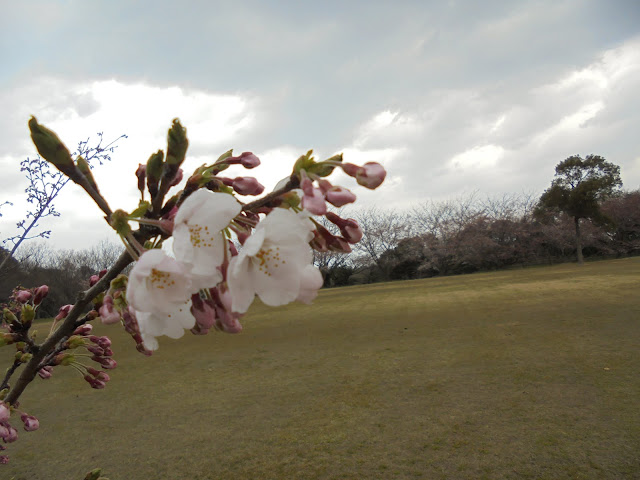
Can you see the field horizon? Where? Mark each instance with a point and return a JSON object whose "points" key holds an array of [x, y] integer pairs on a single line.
{"points": [[514, 374]]}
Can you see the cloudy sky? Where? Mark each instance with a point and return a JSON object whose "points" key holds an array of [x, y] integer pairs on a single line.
{"points": [[451, 96]]}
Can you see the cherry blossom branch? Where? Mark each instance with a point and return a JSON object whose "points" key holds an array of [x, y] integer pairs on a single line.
{"points": [[65, 329], [10, 371]]}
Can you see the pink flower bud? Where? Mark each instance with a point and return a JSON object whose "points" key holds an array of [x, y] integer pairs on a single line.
{"points": [[12, 434], [94, 382], [334, 243], [63, 312], [371, 175], [249, 160], [4, 459], [339, 196], [349, 228], [31, 423], [177, 179], [318, 242], [306, 184], [5, 412], [141, 173], [40, 293], [350, 169], [226, 318], [83, 329], [205, 314], [106, 363], [23, 296], [45, 372], [103, 377], [96, 350], [93, 279], [247, 186], [324, 185], [102, 342], [108, 314], [314, 203]]}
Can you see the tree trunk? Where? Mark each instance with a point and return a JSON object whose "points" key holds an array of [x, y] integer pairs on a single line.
{"points": [[578, 241]]}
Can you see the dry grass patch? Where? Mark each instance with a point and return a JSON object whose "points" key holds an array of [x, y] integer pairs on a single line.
{"points": [[528, 373]]}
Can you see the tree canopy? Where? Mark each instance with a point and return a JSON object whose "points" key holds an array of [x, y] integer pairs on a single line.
{"points": [[579, 188]]}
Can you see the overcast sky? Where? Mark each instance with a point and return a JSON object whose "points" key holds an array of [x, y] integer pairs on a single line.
{"points": [[451, 97]]}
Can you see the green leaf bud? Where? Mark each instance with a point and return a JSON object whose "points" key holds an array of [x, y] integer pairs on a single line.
{"points": [[305, 162], [139, 212], [27, 314], [84, 168], [26, 357], [51, 147], [177, 144], [120, 223], [93, 474], [325, 168], [8, 316], [75, 341]]}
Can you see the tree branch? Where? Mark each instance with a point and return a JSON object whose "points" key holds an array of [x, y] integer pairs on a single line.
{"points": [[66, 328]]}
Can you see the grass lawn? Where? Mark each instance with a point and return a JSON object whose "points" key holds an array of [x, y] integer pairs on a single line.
{"points": [[531, 373]]}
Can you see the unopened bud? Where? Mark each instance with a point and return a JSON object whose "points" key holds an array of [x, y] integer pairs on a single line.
{"points": [[74, 341], [177, 178], [93, 279], [9, 317], [141, 173], [50, 147], [27, 314], [45, 372], [85, 170], [339, 196], [371, 175], [63, 312], [314, 202], [5, 412], [64, 359], [247, 186], [154, 172], [83, 329], [6, 339], [108, 314], [25, 357], [249, 160], [41, 292], [106, 363], [30, 422], [177, 144], [23, 296]]}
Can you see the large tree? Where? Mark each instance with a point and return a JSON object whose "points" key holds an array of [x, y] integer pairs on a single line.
{"points": [[579, 188]]}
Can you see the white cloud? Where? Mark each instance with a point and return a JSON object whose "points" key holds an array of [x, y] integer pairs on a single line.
{"points": [[480, 157], [141, 111]]}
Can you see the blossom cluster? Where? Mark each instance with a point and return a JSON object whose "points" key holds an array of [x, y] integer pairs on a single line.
{"points": [[201, 257]]}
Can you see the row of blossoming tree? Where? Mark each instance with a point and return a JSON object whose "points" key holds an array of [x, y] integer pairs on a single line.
{"points": [[222, 253]]}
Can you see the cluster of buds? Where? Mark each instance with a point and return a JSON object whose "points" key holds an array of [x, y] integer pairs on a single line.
{"points": [[98, 348], [21, 311], [8, 433]]}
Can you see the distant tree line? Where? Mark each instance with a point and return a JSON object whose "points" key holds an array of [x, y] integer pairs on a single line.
{"points": [[471, 234], [66, 272]]}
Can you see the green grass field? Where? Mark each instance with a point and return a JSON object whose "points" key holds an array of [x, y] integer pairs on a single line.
{"points": [[531, 373]]}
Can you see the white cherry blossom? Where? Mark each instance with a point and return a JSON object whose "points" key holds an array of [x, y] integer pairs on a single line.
{"points": [[172, 323], [158, 283], [198, 240], [274, 262]]}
